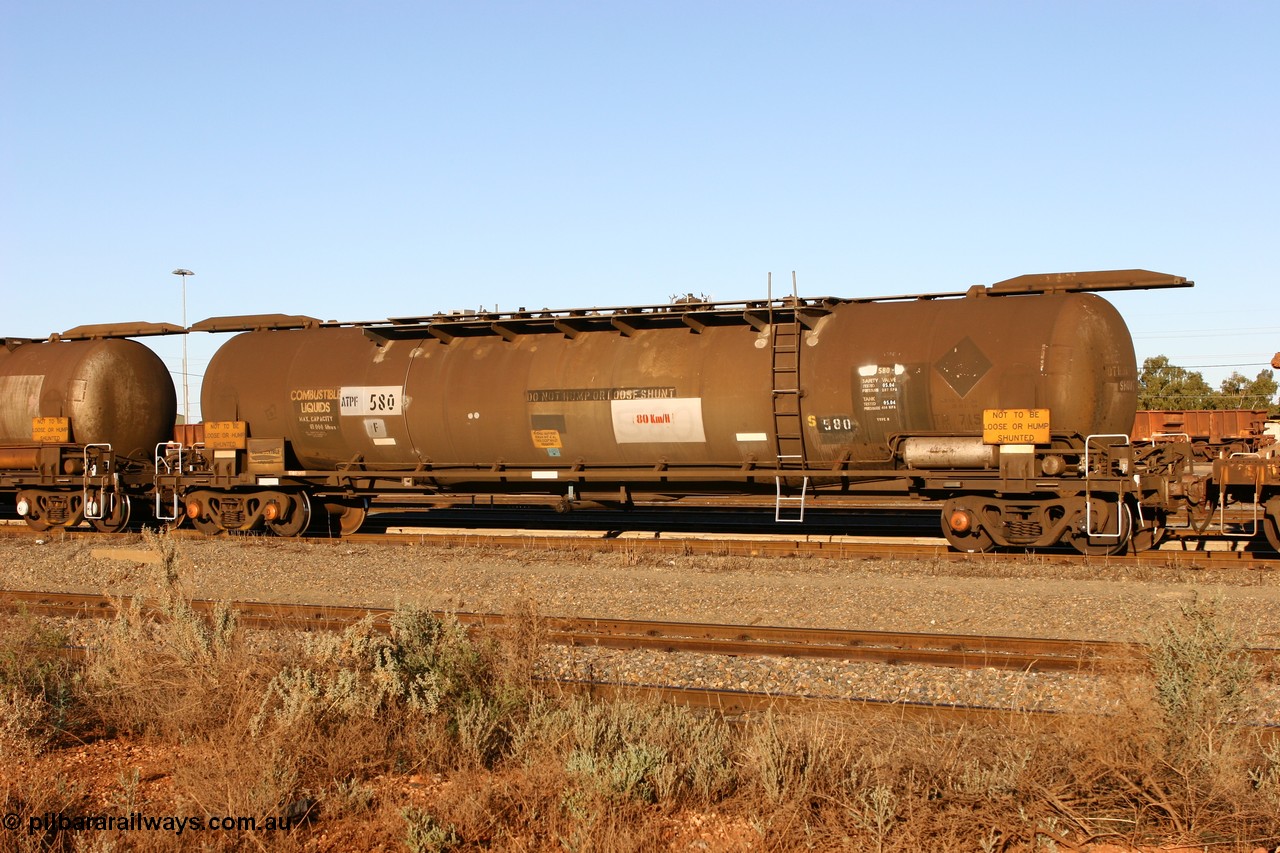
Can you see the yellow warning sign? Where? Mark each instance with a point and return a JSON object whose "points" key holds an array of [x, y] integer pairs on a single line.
{"points": [[224, 435], [51, 430], [1015, 426], [546, 439]]}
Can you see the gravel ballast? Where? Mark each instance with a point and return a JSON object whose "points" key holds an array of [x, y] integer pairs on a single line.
{"points": [[1033, 596]]}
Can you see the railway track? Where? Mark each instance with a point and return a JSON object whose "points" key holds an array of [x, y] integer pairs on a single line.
{"points": [[900, 648], [897, 648], [1227, 553], [622, 634], [773, 545]]}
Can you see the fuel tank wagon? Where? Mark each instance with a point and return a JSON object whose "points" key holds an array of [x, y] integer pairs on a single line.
{"points": [[1005, 404], [859, 375], [79, 421]]}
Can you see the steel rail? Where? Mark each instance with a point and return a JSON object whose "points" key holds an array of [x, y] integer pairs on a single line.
{"points": [[718, 545], [731, 703], [741, 703], [736, 704], [833, 547], [896, 648]]}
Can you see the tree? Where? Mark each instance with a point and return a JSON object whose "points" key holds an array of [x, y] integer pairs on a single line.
{"points": [[1162, 385], [1241, 393]]}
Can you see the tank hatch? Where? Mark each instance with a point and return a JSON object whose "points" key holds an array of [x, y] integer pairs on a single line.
{"points": [[570, 323], [256, 323], [119, 330], [1078, 282]]}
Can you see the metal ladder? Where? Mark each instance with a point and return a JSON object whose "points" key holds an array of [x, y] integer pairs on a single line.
{"points": [[788, 422]]}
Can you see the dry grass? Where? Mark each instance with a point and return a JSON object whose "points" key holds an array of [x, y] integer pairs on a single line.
{"points": [[427, 739]]}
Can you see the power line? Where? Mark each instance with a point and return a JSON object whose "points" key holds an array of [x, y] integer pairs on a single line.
{"points": [[1236, 364], [1209, 333]]}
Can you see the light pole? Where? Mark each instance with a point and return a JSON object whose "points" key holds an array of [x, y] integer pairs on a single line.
{"points": [[186, 414]]}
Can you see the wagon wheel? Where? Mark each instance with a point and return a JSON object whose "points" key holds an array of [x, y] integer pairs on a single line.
{"points": [[168, 525], [119, 518], [349, 516], [962, 530], [1151, 531], [37, 516], [971, 542], [1149, 537], [1271, 524], [1105, 546], [31, 512], [1269, 527], [207, 526], [39, 525], [149, 515], [299, 517]]}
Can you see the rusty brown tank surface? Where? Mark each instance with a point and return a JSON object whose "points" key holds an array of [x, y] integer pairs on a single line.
{"points": [[828, 384], [112, 391]]}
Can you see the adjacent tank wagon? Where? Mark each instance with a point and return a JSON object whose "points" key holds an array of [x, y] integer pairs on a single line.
{"points": [[80, 418]]}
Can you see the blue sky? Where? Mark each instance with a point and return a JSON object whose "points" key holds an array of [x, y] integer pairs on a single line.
{"points": [[358, 160]]}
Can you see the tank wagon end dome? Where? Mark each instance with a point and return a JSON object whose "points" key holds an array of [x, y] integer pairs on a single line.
{"points": [[113, 391]]}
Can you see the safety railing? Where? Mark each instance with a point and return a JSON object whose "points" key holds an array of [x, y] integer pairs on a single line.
{"points": [[98, 482], [1088, 496]]}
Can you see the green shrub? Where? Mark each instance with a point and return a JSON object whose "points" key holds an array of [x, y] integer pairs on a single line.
{"points": [[1204, 682]]}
